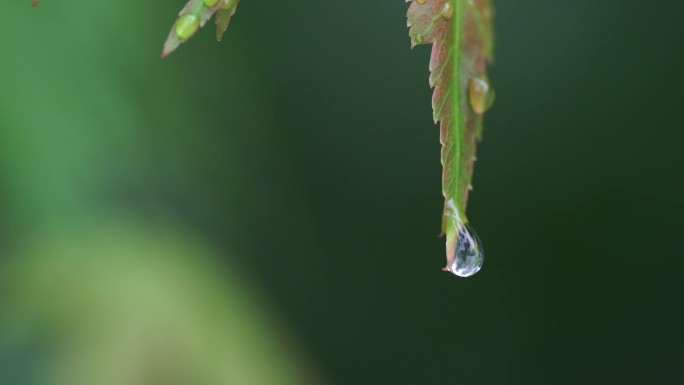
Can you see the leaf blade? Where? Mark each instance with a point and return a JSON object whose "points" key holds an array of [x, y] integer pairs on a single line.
{"points": [[460, 32], [225, 13], [194, 16]]}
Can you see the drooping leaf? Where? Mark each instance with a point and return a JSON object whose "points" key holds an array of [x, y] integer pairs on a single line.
{"points": [[194, 15], [460, 32]]}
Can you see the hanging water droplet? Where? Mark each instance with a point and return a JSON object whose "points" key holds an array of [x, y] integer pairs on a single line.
{"points": [[465, 254], [468, 254], [481, 95], [186, 26]]}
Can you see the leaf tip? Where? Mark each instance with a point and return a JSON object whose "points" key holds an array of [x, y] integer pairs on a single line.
{"points": [[172, 43]]}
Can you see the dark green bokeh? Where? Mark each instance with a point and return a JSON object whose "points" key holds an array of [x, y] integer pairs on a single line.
{"points": [[304, 142]]}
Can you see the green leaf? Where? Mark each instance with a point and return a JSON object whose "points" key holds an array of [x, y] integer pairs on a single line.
{"points": [[225, 12], [195, 14], [461, 34]]}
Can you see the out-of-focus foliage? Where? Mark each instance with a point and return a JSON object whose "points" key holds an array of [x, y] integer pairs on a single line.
{"points": [[88, 134], [131, 304]]}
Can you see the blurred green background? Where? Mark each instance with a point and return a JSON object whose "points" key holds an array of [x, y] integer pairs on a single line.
{"points": [[265, 209]]}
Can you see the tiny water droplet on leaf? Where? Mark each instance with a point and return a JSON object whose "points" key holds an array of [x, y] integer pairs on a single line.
{"points": [[481, 95], [186, 26], [447, 11]]}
